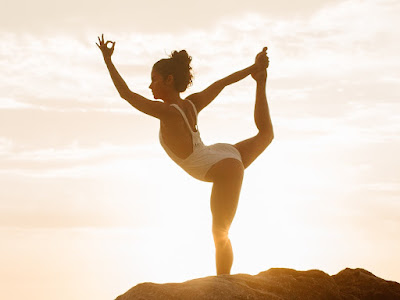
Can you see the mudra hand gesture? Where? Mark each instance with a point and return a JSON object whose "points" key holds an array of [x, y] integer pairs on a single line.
{"points": [[103, 46]]}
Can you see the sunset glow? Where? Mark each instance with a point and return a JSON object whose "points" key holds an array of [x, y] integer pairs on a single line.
{"points": [[90, 205]]}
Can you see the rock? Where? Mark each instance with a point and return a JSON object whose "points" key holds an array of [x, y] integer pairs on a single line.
{"points": [[274, 284], [361, 284]]}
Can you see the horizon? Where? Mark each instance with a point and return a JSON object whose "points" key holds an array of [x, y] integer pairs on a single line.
{"points": [[89, 199]]}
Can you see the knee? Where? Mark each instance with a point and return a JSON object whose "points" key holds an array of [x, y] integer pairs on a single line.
{"points": [[220, 235], [265, 138]]}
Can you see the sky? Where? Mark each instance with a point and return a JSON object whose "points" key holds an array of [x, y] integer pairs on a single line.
{"points": [[90, 205]]}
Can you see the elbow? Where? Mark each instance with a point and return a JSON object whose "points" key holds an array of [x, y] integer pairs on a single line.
{"points": [[271, 136], [124, 94], [221, 84], [266, 138], [123, 91]]}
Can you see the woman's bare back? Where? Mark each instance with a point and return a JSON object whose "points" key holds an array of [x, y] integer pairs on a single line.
{"points": [[175, 132]]}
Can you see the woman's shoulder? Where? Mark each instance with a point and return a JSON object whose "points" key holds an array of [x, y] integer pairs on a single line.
{"points": [[192, 103]]}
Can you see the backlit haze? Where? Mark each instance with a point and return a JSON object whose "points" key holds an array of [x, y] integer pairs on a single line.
{"points": [[90, 204]]}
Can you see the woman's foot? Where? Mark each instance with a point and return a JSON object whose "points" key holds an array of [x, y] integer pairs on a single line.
{"points": [[262, 63]]}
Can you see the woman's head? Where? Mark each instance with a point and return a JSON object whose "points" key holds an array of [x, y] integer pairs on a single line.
{"points": [[177, 65]]}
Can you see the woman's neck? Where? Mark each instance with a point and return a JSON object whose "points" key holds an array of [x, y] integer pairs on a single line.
{"points": [[173, 98]]}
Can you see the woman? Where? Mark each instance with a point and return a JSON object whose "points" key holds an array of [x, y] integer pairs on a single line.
{"points": [[221, 164]]}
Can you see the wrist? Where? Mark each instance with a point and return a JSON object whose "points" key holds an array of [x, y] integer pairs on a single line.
{"points": [[253, 68], [107, 59], [262, 81]]}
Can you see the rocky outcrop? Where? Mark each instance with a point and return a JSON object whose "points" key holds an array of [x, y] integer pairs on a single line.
{"points": [[361, 284], [274, 284]]}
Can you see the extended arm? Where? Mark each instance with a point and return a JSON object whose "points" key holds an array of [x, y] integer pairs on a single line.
{"points": [[152, 108], [205, 97], [202, 99]]}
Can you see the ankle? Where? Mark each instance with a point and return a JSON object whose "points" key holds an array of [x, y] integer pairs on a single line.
{"points": [[261, 81]]}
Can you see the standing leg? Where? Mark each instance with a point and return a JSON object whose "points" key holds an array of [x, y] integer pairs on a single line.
{"points": [[227, 178], [251, 148]]}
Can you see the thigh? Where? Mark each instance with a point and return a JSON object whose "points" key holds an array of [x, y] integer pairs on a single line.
{"points": [[225, 195], [251, 148]]}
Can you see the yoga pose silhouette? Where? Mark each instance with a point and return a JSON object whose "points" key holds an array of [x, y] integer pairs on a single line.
{"points": [[221, 164]]}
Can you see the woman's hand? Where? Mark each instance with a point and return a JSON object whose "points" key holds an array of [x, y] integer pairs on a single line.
{"points": [[261, 63], [103, 46]]}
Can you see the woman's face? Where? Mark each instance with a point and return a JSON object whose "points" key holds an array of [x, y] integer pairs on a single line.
{"points": [[158, 85]]}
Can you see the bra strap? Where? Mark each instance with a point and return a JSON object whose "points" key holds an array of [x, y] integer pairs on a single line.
{"points": [[194, 108], [183, 115]]}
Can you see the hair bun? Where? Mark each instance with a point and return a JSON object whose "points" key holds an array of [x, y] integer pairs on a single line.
{"points": [[181, 57], [177, 65]]}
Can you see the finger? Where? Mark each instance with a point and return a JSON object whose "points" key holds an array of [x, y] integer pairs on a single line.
{"points": [[265, 49], [99, 40], [102, 37], [113, 45], [108, 42], [98, 45]]}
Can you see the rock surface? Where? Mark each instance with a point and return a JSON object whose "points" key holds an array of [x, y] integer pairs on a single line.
{"points": [[274, 284]]}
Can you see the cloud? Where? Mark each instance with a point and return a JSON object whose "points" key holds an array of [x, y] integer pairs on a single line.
{"points": [[340, 42], [7, 103], [332, 82], [44, 16], [40, 162], [6, 146]]}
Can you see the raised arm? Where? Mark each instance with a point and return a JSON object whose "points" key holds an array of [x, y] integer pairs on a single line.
{"points": [[205, 97], [153, 108]]}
